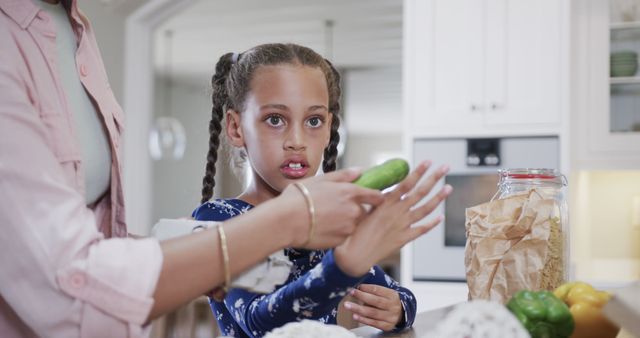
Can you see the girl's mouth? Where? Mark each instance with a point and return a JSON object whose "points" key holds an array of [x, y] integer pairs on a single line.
{"points": [[294, 169]]}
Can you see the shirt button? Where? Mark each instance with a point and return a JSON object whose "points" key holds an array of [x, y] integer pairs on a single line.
{"points": [[83, 70], [78, 281]]}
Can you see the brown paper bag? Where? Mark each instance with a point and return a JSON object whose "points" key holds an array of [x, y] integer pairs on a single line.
{"points": [[508, 245]]}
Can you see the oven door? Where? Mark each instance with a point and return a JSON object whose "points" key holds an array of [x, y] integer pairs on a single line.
{"points": [[439, 254]]}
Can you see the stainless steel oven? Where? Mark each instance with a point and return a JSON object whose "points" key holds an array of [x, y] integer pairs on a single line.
{"points": [[439, 255]]}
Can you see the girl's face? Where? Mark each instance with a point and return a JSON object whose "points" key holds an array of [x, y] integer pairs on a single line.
{"points": [[285, 126]]}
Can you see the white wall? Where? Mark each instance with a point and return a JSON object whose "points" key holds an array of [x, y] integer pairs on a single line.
{"points": [[372, 113], [605, 226], [364, 150], [373, 100], [108, 25], [177, 184]]}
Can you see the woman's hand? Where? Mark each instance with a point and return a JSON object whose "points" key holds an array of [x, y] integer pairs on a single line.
{"points": [[381, 307], [388, 226], [338, 208]]}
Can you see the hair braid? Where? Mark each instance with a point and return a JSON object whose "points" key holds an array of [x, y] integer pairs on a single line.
{"points": [[331, 151], [219, 99]]}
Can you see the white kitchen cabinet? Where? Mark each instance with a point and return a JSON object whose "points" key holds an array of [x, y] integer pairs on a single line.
{"points": [[606, 110], [452, 65], [482, 68], [485, 67]]}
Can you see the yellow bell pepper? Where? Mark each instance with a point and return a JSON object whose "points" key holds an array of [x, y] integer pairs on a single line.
{"points": [[585, 304]]}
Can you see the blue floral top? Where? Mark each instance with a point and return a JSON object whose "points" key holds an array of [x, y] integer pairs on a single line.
{"points": [[313, 290]]}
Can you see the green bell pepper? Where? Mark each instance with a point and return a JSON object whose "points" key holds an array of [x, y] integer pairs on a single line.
{"points": [[542, 314]]}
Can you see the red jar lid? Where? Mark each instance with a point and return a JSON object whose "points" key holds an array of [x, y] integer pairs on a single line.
{"points": [[540, 176]]}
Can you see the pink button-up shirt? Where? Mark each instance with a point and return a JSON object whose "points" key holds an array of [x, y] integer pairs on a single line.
{"points": [[65, 269]]}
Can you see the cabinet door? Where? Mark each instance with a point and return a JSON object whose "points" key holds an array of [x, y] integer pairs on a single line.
{"points": [[524, 79], [612, 110], [448, 62]]}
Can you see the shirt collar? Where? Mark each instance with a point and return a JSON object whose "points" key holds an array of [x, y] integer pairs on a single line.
{"points": [[24, 11]]}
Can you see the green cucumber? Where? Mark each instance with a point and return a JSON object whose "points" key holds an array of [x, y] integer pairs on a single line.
{"points": [[384, 175]]}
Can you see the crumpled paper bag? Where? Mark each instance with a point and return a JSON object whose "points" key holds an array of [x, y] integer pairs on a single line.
{"points": [[507, 245]]}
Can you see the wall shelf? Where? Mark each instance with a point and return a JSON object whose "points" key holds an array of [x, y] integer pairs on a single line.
{"points": [[625, 25], [624, 80]]}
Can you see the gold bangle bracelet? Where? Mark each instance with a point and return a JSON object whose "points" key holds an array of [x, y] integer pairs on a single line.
{"points": [[312, 210], [225, 258]]}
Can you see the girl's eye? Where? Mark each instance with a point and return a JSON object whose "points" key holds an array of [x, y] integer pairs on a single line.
{"points": [[314, 122], [274, 120]]}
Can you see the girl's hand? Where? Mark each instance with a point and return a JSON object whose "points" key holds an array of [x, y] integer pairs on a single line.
{"points": [[388, 226], [217, 294], [381, 306], [337, 204]]}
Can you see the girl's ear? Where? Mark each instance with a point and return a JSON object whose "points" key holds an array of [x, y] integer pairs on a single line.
{"points": [[234, 131]]}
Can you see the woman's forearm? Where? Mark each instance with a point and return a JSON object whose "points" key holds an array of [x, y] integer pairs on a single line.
{"points": [[193, 264]]}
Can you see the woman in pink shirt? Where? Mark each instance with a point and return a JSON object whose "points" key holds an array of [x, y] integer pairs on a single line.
{"points": [[68, 267]]}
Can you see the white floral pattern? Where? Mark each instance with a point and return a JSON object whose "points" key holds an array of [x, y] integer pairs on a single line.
{"points": [[313, 290]]}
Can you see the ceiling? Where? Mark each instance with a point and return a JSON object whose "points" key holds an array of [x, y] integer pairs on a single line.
{"points": [[365, 44], [366, 33]]}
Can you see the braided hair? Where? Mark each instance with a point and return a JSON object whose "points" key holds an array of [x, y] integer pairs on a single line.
{"points": [[331, 151], [231, 83]]}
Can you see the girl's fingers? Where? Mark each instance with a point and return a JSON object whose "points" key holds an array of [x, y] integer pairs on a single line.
{"points": [[377, 290], [425, 187], [217, 294], [370, 298], [365, 311], [379, 324], [410, 181], [422, 211]]}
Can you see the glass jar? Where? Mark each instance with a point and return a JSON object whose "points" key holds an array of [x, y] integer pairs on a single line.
{"points": [[550, 184]]}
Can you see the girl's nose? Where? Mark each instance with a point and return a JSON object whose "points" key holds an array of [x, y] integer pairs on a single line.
{"points": [[295, 139]]}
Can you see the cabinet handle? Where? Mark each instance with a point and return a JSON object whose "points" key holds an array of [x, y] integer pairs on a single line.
{"points": [[475, 107], [495, 106]]}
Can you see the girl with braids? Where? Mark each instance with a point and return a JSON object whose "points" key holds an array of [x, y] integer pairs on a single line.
{"points": [[280, 103], [64, 243]]}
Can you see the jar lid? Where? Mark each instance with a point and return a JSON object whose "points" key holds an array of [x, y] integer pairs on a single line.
{"points": [[532, 174]]}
